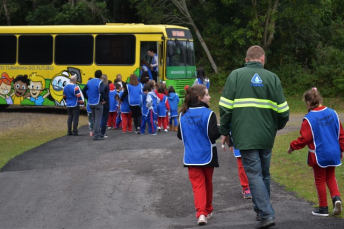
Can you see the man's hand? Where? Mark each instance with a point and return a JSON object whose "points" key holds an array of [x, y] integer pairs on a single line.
{"points": [[225, 139], [290, 150], [103, 102]]}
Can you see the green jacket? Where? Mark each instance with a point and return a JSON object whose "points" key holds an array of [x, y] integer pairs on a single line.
{"points": [[253, 107]]}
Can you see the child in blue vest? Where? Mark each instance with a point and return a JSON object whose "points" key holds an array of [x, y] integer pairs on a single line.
{"points": [[163, 108], [173, 100], [201, 78], [323, 133], [113, 105], [198, 129], [149, 101], [119, 114], [125, 111]]}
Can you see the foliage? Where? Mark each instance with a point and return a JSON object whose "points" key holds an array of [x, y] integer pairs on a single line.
{"points": [[303, 39]]}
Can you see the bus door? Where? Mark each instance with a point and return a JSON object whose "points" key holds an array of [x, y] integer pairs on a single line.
{"points": [[158, 46]]}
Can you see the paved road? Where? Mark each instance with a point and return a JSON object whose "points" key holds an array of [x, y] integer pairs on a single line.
{"points": [[128, 181]]}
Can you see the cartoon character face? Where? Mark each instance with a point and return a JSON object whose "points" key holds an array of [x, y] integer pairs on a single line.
{"points": [[5, 89], [57, 84], [35, 89], [20, 88]]}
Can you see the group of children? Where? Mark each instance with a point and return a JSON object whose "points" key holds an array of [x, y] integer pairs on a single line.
{"points": [[159, 105], [159, 108]]}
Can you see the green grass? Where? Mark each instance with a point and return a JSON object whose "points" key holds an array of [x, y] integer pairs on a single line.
{"points": [[20, 138]]}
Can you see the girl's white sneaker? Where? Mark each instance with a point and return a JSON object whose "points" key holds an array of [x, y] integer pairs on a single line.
{"points": [[202, 220]]}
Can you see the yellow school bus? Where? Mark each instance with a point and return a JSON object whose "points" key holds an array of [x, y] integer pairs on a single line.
{"points": [[36, 62]]}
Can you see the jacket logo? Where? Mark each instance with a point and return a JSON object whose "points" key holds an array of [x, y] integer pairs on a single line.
{"points": [[256, 81]]}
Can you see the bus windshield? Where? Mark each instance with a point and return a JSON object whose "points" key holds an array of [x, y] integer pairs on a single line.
{"points": [[180, 59]]}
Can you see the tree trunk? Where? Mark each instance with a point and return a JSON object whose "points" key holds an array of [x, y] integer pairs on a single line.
{"points": [[7, 14], [270, 24], [205, 47], [181, 5]]}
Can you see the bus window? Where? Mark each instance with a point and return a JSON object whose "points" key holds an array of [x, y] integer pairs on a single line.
{"points": [[35, 49], [74, 49], [115, 49], [8, 47], [190, 56], [176, 53]]}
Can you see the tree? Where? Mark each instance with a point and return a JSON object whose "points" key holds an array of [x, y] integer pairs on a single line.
{"points": [[181, 5], [7, 13]]}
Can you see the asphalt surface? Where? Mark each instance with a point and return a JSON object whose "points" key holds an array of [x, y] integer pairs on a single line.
{"points": [[129, 181]]}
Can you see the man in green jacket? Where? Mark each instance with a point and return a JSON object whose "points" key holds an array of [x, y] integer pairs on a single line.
{"points": [[253, 108]]}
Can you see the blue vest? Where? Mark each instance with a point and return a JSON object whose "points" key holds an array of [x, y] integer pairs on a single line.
{"points": [[162, 107], [198, 149], [173, 100], [236, 152], [201, 82], [93, 91], [144, 109], [149, 72], [134, 94], [112, 101], [71, 99], [125, 104], [325, 129], [155, 101]]}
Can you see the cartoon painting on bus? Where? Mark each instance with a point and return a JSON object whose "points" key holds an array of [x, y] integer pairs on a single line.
{"points": [[35, 89], [6, 88]]}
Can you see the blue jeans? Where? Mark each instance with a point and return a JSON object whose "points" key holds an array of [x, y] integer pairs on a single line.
{"points": [[257, 167]]}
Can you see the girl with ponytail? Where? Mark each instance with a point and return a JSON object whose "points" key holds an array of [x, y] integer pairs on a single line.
{"points": [[198, 130], [323, 133]]}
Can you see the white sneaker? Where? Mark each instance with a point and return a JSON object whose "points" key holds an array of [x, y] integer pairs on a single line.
{"points": [[109, 128], [209, 216], [159, 128], [202, 220], [166, 130]]}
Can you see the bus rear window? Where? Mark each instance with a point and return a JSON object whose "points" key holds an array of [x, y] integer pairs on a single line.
{"points": [[8, 47], [35, 49], [74, 49], [115, 49]]}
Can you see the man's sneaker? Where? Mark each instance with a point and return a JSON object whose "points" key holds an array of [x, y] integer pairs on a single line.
{"points": [[202, 220], [264, 223], [153, 133], [109, 128], [337, 205], [247, 194], [105, 136], [99, 138], [321, 211], [209, 216], [258, 216], [166, 130], [159, 128]]}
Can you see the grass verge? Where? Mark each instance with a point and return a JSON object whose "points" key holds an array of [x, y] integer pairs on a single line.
{"points": [[20, 138]]}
